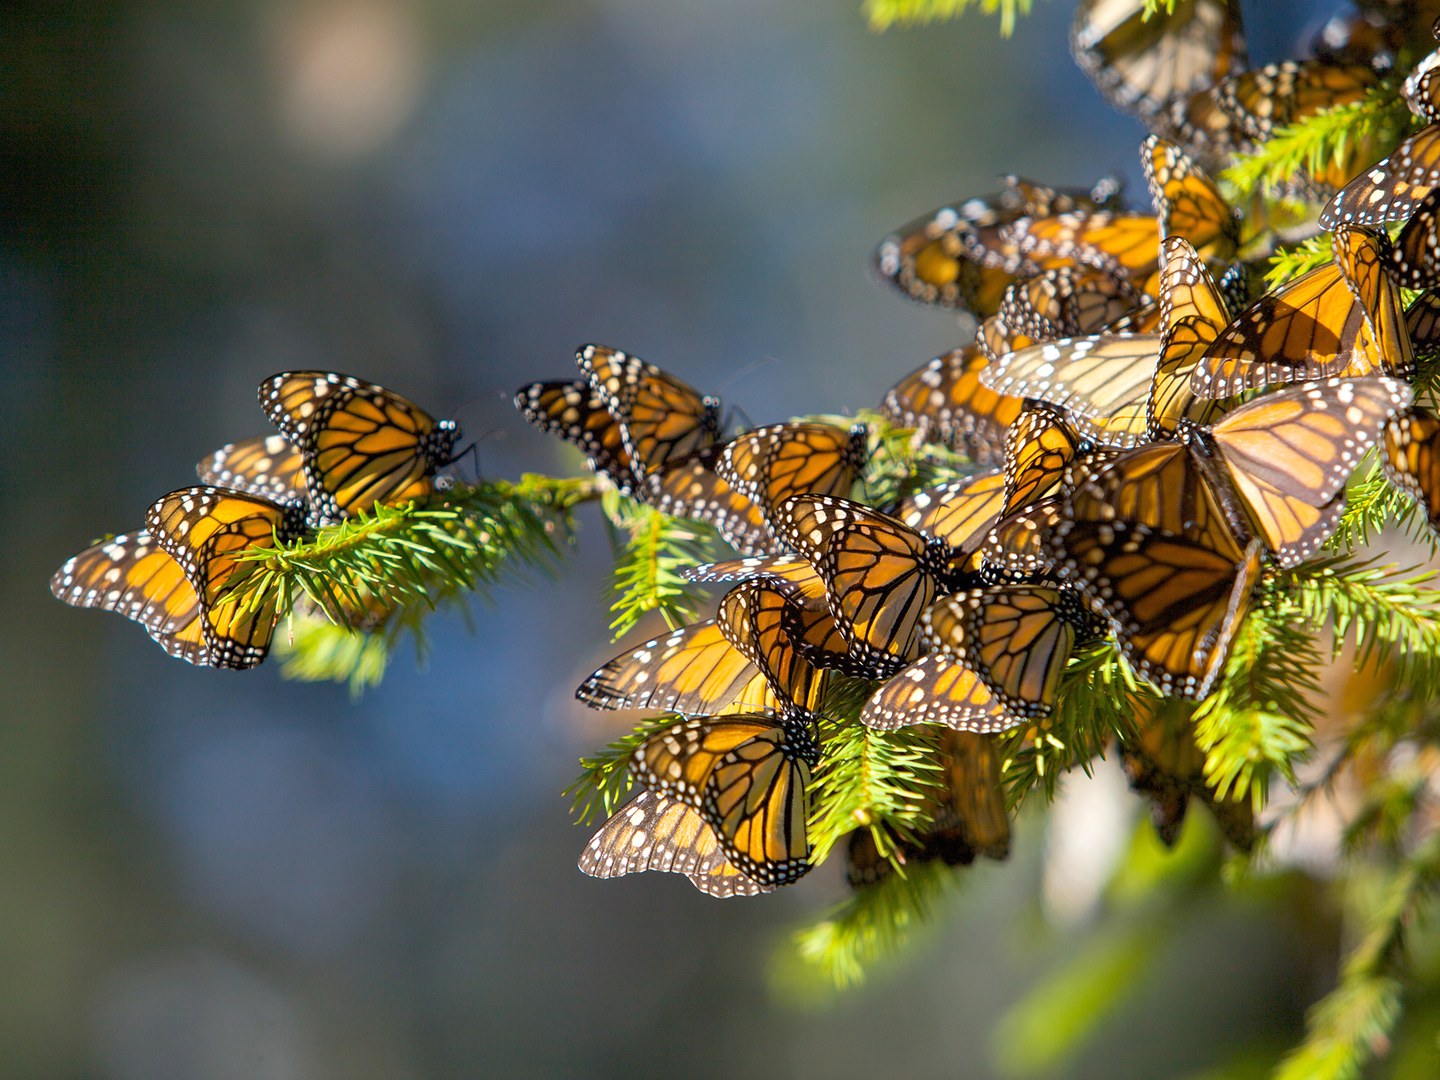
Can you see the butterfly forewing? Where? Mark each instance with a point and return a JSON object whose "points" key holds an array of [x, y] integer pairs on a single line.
{"points": [[691, 670]]}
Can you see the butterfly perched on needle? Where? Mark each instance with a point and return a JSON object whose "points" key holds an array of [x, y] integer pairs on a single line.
{"points": [[1410, 454], [747, 774], [360, 444], [941, 258], [1342, 318], [1274, 469], [995, 660], [663, 419], [206, 530], [879, 574]]}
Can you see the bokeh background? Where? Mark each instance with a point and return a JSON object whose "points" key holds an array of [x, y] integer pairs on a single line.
{"points": [[214, 875]]}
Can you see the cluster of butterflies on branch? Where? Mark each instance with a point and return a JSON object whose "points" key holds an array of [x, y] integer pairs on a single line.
{"points": [[1148, 438], [344, 446], [1152, 438]]}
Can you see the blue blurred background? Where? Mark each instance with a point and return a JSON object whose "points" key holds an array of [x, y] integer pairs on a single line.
{"points": [[216, 875]]}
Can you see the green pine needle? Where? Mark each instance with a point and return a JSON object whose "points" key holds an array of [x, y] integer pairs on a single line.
{"points": [[1093, 707], [876, 779], [648, 569]]}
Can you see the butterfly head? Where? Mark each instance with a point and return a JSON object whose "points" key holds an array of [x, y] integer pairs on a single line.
{"points": [[294, 521], [857, 451], [711, 422], [802, 735], [438, 447]]}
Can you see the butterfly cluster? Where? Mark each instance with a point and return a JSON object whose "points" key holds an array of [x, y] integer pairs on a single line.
{"points": [[344, 447], [1152, 438]]}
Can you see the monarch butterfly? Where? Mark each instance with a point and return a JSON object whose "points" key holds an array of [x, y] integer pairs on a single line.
{"points": [[663, 420], [997, 660], [1018, 638], [932, 260], [1421, 89], [967, 817], [656, 832], [947, 402], [1040, 448], [1268, 98], [1390, 189], [747, 775], [1139, 64], [1274, 469], [576, 412], [693, 489], [1187, 201], [1411, 458], [956, 513], [267, 466], [769, 464], [1066, 301], [879, 573], [1414, 260], [361, 445], [204, 529], [811, 630], [132, 575], [1343, 318], [694, 669], [758, 619], [1124, 245], [1102, 382], [1164, 763], [1174, 602]]}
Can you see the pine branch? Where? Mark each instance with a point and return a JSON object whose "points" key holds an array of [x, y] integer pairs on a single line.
{"points": [[648, 568], [901, 463], [382, 572], [875, 925], [880, 779], [1389, 613], [605, 776], [1258, 721], [1351, 1026], [315, 650], [884, 14], [1093, 707], [1327, 137], [1291, 262], [1373, 503]]}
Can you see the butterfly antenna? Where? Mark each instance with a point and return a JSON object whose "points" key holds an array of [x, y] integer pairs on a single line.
{"points": [[748, 369], [504, 395]]}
